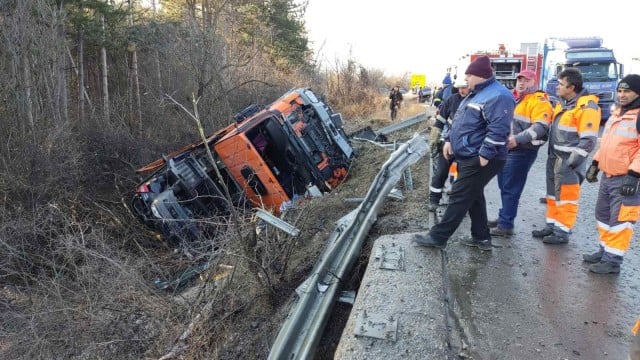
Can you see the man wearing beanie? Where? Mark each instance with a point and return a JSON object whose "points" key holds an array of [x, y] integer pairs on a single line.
{"points": [[618, 205], [478, 141], [573, 135]]}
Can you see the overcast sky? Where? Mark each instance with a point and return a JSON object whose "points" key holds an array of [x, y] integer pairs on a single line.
{"points": [[413, 36]]}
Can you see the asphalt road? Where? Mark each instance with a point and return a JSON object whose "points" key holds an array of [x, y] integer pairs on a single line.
{"points": [[523, 300]]}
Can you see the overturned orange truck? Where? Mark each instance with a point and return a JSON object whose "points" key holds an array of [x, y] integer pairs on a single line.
{"points": [[267, 158]]}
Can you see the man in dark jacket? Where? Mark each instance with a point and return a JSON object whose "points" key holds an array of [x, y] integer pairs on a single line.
{"points": [[395, 100], [478, 141]]}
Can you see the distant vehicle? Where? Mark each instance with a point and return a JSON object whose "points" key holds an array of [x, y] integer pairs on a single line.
{"points": [[600, 69], [403, 90], [424, 94], [268, 157]]}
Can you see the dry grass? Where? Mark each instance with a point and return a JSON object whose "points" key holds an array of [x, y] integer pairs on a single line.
{"points": [[77, 272]]}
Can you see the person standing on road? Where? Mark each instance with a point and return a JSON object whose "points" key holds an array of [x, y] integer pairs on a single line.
{"points": [[618, 204], [440, 130], [529, 131], [395, 97], [478, 141], [573, 135]]}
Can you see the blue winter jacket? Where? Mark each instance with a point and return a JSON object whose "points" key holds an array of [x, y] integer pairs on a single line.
{"points": [[482, 123]]}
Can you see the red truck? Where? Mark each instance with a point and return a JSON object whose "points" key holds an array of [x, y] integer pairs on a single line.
{"points": [[507, 65]]}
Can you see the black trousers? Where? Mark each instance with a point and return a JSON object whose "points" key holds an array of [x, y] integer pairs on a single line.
{"points": [[467, 195], [440, 171]]}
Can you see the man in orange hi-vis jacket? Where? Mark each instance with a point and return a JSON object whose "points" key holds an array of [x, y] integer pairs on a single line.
{"points": [[573, 135], [618, 205]]}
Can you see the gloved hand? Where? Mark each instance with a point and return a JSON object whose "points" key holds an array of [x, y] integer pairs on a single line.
{"points": [[630, 184], [592, 172], [434, 139]]}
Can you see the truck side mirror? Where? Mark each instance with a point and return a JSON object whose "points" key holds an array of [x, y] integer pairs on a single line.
{"points": [[621, 72]]}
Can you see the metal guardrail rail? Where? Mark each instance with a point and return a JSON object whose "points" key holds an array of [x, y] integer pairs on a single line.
{"points": [[302, 330], [410, 121]]}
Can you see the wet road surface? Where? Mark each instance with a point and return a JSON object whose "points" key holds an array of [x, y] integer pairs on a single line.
{"points": [[523, 300]]}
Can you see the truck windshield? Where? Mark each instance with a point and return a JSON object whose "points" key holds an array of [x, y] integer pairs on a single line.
{"points": [[594, 71]]}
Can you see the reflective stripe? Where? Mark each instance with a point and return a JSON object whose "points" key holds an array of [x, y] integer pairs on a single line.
{"points": [[564, 148], [475, 106], [563, 202], [625, 133], [603, 225], [567, 128], [589, 133], [582, 152], [441, 119], [611, 250], [435, 190], [559, 225], [621, 227], [494, 142], [522, 118]]}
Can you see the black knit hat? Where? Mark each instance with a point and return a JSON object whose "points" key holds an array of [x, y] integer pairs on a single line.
{"points": [[480, 67], [631, 82]]}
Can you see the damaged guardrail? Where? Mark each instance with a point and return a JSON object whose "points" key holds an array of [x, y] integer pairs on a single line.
{"points": [[302, 330]]}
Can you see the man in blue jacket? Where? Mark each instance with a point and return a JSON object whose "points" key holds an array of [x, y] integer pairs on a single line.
{"points": [[478, 141]]}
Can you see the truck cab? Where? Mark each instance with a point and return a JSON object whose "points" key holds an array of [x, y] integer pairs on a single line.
{"points": [[600, 69], [266, 158]]}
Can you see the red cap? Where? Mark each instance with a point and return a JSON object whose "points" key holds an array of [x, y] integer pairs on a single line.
{"points": [[527, 74]]}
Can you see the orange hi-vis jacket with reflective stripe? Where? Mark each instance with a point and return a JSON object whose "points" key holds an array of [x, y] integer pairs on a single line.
{"points": [[619, 149], [531, 119], [576, 130]]}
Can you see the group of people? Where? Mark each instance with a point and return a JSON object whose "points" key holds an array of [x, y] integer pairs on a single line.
{"points": [[490, 131]]}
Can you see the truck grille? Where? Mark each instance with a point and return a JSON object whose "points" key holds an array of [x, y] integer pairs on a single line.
{"points": [[605, 96]]}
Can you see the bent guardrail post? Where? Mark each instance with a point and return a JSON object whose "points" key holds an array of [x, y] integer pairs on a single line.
{"points": [[302, 330]]}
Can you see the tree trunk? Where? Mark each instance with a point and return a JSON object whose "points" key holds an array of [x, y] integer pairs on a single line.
{"points": [[156, 53], [105, 77], [27, 91], [80, 74], [135, 82]]}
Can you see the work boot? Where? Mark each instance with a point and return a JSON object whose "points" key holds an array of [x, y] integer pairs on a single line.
{"points": [[558, 237], [484, 245], [428, 241], [492, 223], [592, 258], [433, 206], [604, 267], [546, 231], [500, 231]]}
